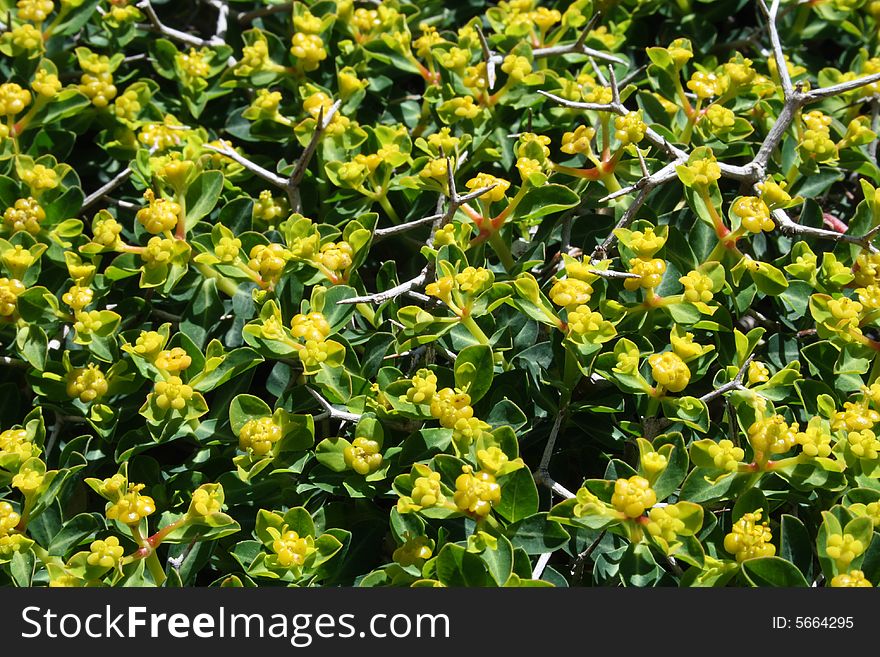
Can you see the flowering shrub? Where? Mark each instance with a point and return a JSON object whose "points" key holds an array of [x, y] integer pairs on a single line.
{"points": [[439, 294]]}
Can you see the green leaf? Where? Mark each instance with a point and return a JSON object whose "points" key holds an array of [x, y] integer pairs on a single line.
{"points": [[519, 496], [245, 408], [202, 195], [474, 370], [772, 571], [537, 535]]}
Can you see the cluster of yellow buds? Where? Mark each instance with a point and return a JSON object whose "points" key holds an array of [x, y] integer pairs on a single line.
{"points": [[476, 492], [815, 440], [30, 478], [697, 287], [773, 193], [335, 257], [701, 169], [227, 249], [772, 435], [570, 292], [313, 326], [318, 103], [720, 119], [726, 455], [645, 244], [13, 99], [269, 209], [482, 180], [476, 78], [669, 371], [423, 388], [517, 67], [852, 579], [855, 416], [194, 64], [173, 393], [172, 360], [39, 178], [308, 50], [579, 141], [148, 344], [632, 496], [259, 435], [86, 383], [98, 87], [18, 259], [758, 372], [754, 214], [750, 538], [665, 522], [10, 290], [290, 548], [206, 501], [427, 491], [816, 140], [455, 290], [15, 442], [461, 107], [414, 552], [844, 549], [9, 519], [269, 260], [254, 56], [106, 553], [363, 456], [449, 406], [106, 231], [131, 507], [863, 444], [78, 297], [162, 136], [589, 325], [160, 216], [705, 85], [313, 329], [630, 128], [34, 11], [26, 214]]}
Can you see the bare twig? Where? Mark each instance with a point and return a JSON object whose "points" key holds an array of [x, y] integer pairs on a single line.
{"points": [[489, 57], [396, 291], [256, 169], [541, 564], [105, 189], [303, 162], [578, 47], [542, 474], [787, 225], [735, 384], [248, 17], [334, 413], [183, 37]]}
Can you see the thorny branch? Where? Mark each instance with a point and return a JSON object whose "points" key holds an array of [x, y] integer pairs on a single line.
{"points": [[794, 98], [332, 411]]}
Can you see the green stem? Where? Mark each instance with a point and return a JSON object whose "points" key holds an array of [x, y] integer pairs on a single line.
{"points": [[389, 210], [471, 325], [225, 285], [156, 569], [571, 374], [502, 250]]}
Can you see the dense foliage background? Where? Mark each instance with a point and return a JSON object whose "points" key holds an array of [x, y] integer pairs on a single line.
{"points": [[463, 294]]}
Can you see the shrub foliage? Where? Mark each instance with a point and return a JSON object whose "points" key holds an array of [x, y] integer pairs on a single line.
{"points": [[439, 294]]}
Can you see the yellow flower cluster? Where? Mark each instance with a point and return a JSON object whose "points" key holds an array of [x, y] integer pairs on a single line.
{"points": [[750, 538]]}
